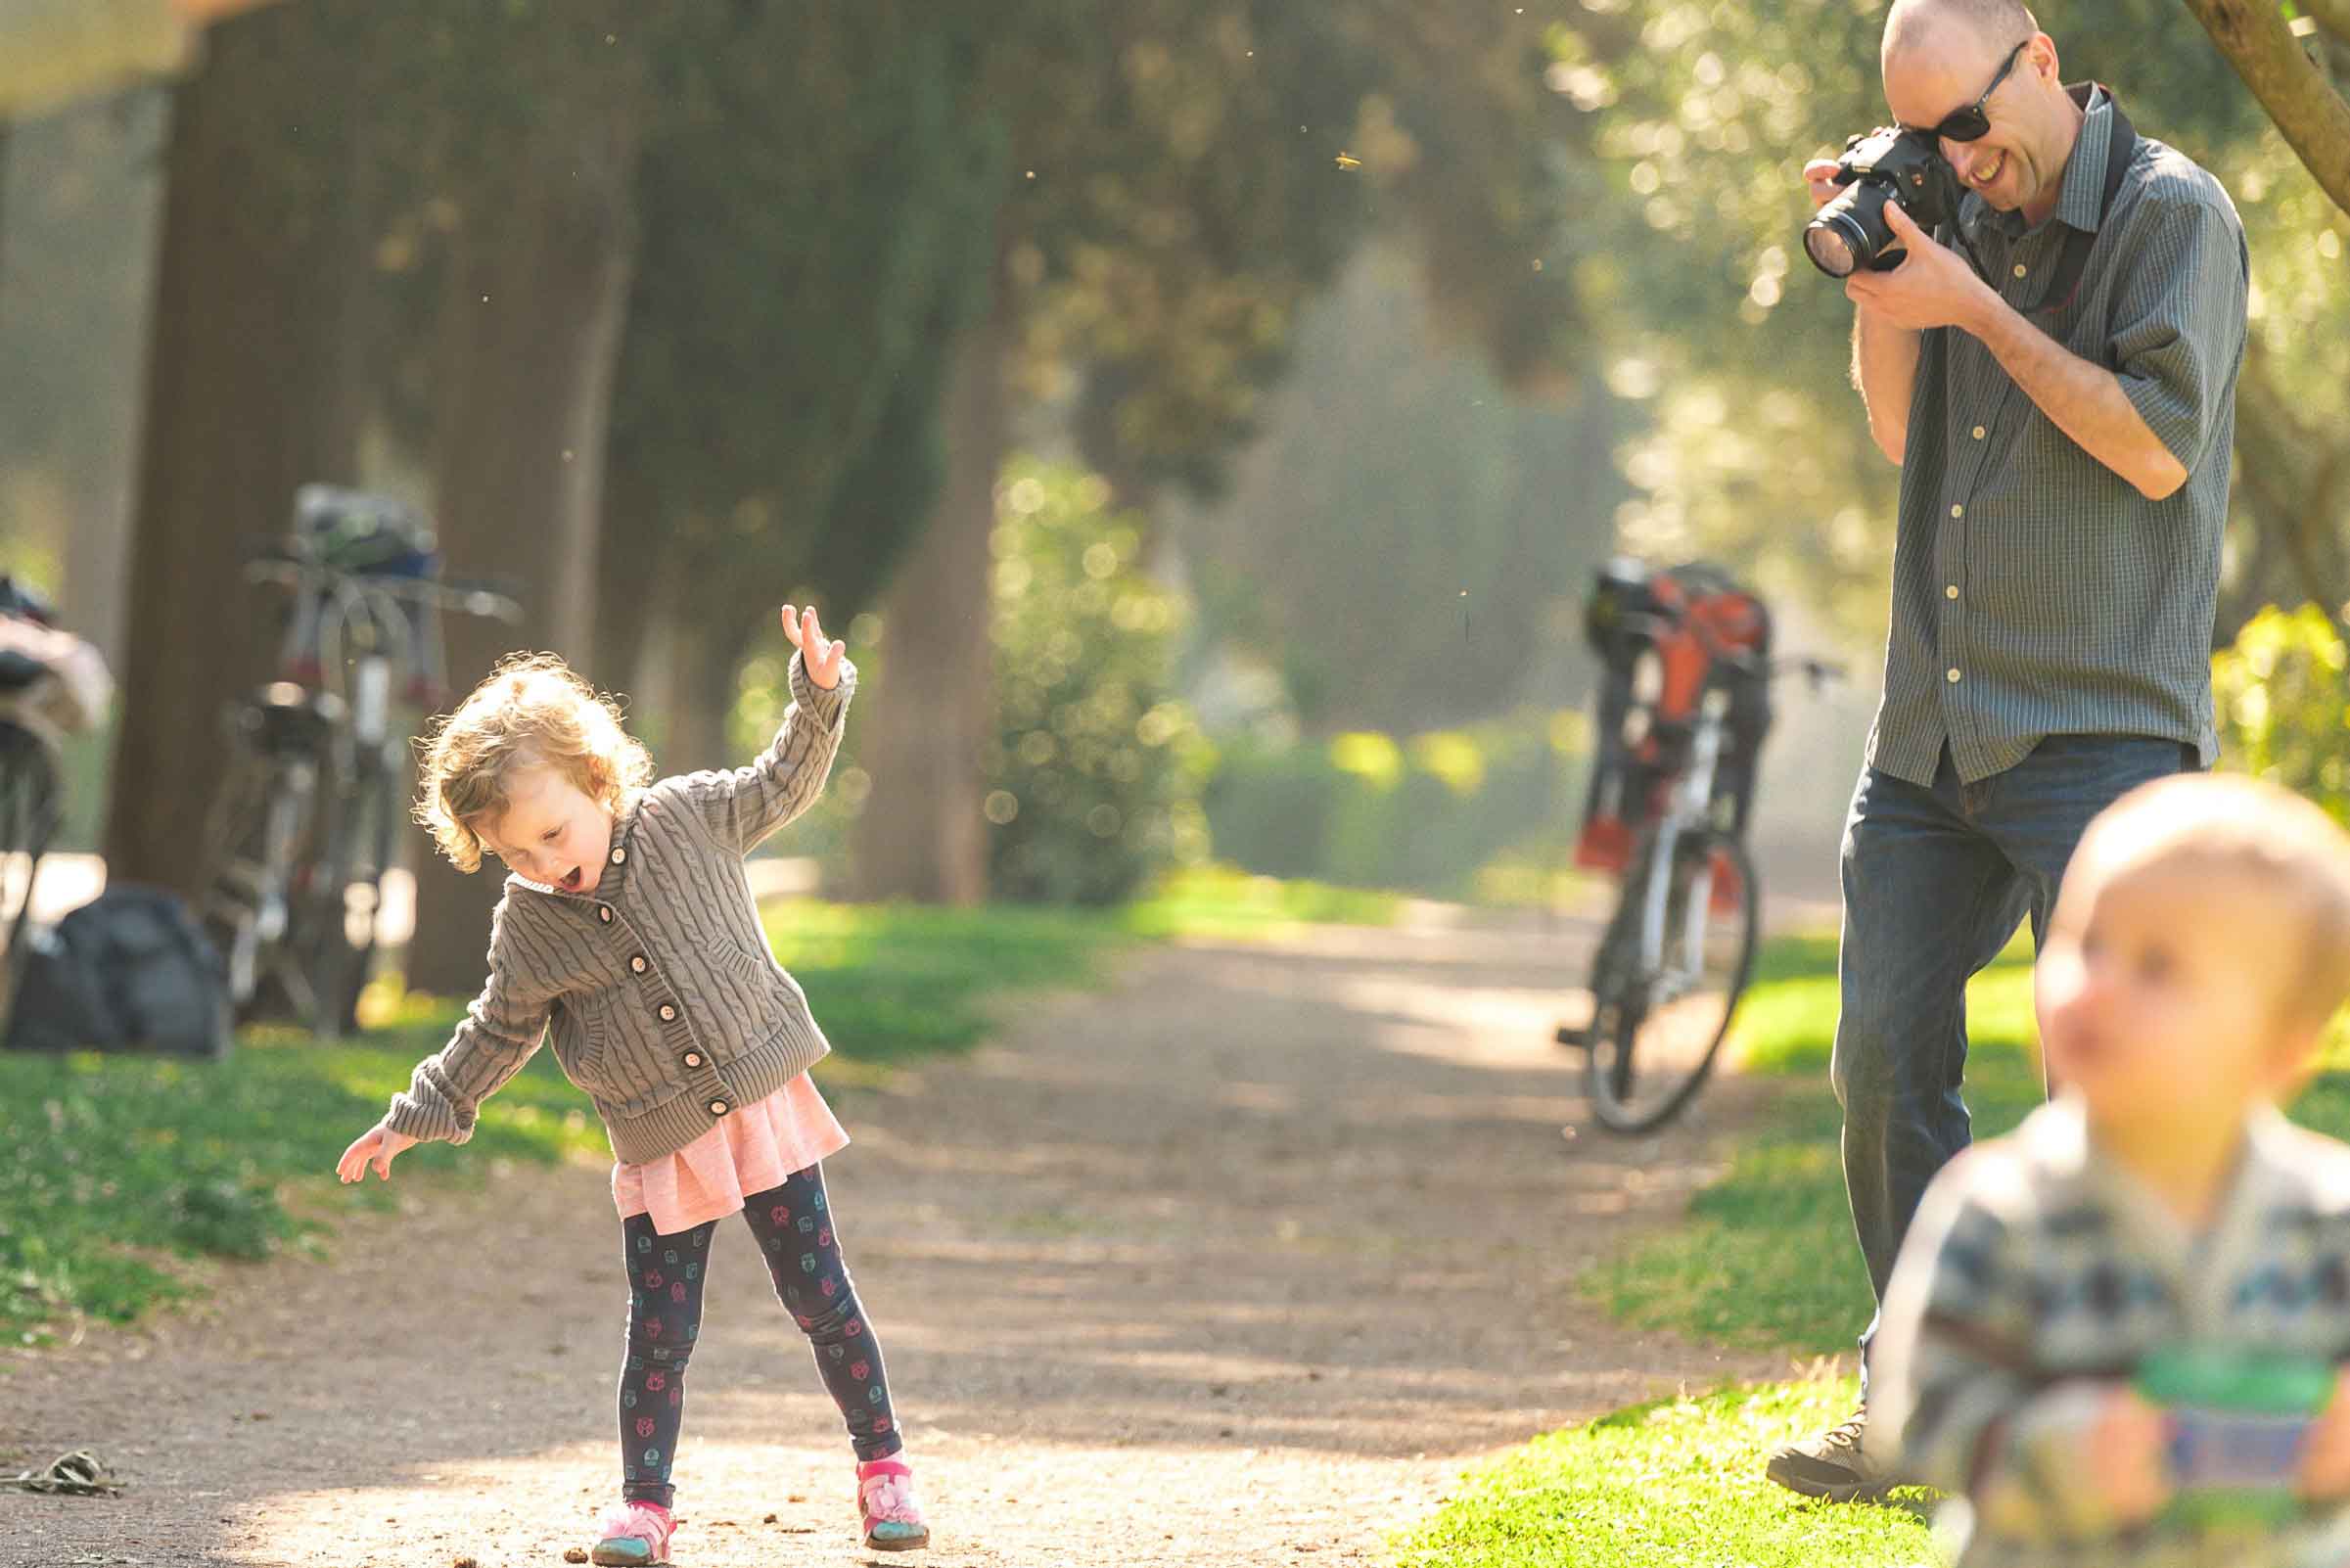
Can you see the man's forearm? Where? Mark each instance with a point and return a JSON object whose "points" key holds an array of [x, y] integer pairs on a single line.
{"points": [[1884, 368], [2086, 401]]}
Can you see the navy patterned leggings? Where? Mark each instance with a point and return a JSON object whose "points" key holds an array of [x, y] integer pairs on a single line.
{"points": [[666, 1277]]}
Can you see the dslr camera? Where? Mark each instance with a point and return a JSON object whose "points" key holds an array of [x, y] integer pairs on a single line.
{"points": [[1850, 232]]}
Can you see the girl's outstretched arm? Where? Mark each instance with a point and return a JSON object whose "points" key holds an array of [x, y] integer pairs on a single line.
{"points": [[501, 1031], [745, 805]]}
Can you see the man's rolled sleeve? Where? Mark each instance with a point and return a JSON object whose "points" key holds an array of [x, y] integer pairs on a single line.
{"points": [[2179, 322]]}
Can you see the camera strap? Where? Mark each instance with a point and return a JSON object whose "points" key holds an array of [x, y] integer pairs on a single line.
{"points": [[2121, 144]]}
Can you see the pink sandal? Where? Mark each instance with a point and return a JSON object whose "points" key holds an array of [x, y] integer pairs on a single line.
{"points": [[885, 1496], [633, 1534]]}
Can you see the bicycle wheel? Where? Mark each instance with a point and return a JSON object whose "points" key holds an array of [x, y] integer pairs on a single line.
{"points": [[257, 820], [1657, 1029], [261, 834], [347, 899]]}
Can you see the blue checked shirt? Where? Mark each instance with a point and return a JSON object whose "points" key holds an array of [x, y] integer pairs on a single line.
{"points": [[2035, 591]]}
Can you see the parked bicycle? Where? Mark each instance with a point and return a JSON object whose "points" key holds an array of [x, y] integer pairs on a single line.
{"points": [[307, 818], [51, 684], [1683, 708]]}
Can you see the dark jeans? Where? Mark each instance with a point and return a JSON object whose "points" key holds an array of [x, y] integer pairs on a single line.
{"points": [[665, 1275], [1935, 883]]}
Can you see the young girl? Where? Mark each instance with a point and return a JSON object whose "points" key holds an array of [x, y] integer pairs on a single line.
{"points": [[627, 932]]}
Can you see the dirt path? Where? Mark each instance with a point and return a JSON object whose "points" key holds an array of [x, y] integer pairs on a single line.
{"points": [[1238, 1262]]}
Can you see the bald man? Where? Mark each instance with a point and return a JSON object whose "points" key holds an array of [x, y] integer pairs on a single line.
{"points": [[2056, 376]]}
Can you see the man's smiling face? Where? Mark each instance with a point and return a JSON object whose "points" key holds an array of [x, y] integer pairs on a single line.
{"points": [[2018, 161]]}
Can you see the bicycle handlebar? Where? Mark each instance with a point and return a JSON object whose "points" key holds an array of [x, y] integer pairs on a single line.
{"points": [[487, 598], [1818, 671]]}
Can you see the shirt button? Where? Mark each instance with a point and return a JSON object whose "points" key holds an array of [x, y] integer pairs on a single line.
{"points": [[669, 1014], [604, 914], [693, 1058], [1951, 592], [618, 855], [1957, 511], [1951, 678], [1978, 433], [717, 1107], [637, 963], [2019, 269]]}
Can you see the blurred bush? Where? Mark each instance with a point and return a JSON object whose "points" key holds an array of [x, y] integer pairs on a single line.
{"points": [[2278, 695], [1093, 779], [1478, 812]]}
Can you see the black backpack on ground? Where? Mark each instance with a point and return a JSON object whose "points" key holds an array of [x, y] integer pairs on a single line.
{"points": [[128, 970]]}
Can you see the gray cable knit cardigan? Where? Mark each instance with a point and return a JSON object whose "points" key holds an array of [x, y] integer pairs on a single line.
{"points": [[657, 989]]}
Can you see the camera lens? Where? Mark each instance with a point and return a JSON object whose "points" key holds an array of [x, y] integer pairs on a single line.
{"points": [[1831, 248], [1850, 232]]}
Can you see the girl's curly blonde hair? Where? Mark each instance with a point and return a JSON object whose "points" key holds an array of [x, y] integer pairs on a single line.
{"points": [[533, 709]]}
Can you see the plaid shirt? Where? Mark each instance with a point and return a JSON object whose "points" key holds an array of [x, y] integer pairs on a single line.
{"points": [[2034, 1261], [2035, 591]]}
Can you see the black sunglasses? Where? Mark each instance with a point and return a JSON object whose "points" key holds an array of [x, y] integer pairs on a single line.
{"points": [[1970, 123]]}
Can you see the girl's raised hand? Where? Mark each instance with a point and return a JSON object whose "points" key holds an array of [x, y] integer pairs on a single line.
{"points": [[377, 1146], [822, 659]]}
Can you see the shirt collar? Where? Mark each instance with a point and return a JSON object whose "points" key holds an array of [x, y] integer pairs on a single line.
{"points": [[2084, 193]]}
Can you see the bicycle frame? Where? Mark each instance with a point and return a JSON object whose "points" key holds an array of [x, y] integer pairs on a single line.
{"points": [[333, 605], [325, 815], [1690, 808]]}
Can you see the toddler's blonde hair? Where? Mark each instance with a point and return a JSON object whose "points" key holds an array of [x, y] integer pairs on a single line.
{"points": [[532, 710], [2233, 822]]}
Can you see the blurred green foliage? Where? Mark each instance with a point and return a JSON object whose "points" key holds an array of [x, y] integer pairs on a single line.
{"points": [[814, 213], [1093, 779], [1425, 813], [1405, 546], [2278, 695]]}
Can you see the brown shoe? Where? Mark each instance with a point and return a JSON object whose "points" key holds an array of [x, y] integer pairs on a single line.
{"points": [[1835, 1464]]}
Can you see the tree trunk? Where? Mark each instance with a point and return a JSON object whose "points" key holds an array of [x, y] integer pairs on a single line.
{"points": [[2299, 97], [922, 835], [527, 337], [705, 653], [630, 579], [238, 412]]}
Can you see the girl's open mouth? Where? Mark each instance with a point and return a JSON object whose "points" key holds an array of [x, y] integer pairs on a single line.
{"points": [[571, 880]]}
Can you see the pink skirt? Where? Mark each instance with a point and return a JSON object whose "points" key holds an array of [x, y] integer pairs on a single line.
{"points": [[750, 1151]]}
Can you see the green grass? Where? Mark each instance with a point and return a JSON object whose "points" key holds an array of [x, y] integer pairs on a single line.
{"points": [[1677, 1484], [120, 1173], [116, 1171], [1222, 902], [1723, 1274], [891, 983]]}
